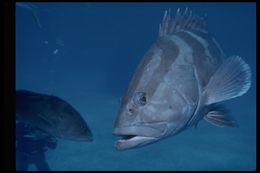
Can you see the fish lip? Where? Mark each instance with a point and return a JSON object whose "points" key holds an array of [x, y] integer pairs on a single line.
{"points": [[133, 142], [141, 130], [137, 136]]}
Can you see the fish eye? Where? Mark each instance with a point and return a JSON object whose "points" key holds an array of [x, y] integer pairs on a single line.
{"points": [[140, 98], [131, 110]]}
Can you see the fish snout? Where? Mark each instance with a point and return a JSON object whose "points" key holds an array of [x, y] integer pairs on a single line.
{"points": [[137, 136]]}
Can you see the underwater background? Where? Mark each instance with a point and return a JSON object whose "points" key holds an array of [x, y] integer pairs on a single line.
{"points": [[86, 54]]}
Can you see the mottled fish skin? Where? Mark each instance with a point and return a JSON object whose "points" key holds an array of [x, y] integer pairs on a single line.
{"points": [[169, 82], [51, 115]]}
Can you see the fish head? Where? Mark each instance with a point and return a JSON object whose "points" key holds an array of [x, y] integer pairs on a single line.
{"points": [[145, 118], [81, 133], [152, 109]]}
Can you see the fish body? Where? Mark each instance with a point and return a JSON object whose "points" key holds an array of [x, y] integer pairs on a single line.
{"points": [[180, 80], [52, 115]]}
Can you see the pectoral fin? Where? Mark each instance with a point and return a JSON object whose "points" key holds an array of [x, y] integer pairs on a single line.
{"points": [[232, 79]]}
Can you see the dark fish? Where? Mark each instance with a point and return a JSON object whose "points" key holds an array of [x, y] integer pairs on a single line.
{"points": [[180, 80], [51, 115]]}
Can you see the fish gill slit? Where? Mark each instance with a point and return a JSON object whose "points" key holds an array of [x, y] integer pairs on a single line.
{"points": [[182, 95], [191, 120]]}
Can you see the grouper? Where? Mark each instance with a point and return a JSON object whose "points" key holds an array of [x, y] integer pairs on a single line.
{"points": [[183, 78], [52, 115]]}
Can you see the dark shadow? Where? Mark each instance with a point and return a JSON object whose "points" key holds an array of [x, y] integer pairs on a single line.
{"points": [[31, 145]]}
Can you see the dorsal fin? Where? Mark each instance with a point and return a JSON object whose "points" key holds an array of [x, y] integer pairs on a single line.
{"points": [[181, 21]]}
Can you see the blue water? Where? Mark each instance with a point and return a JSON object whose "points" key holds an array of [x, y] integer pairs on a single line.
{"points": [[86, 54]]}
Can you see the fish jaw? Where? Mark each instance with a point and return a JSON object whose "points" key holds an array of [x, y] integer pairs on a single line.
{"points": [[136, 141], [137, 136]]}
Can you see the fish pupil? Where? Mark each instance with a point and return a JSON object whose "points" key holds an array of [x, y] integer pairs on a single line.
{"points": [[140, 98], [131, 110], [143, 100]]}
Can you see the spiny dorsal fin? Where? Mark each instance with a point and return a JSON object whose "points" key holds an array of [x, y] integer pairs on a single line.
{"points": [[181, 21]]}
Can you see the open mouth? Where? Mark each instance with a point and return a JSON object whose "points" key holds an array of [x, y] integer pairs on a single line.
{"points": [[127, 137], [133, 141], [137, 136]]}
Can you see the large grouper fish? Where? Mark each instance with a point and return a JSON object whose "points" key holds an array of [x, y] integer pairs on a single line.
{"points": [[51, 115], [180, 81]]}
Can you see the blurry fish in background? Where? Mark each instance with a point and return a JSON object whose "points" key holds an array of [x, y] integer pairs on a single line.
{"points": [[31, 146], [35, 134], [181, 80], [33, 8], [52, 115]]}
